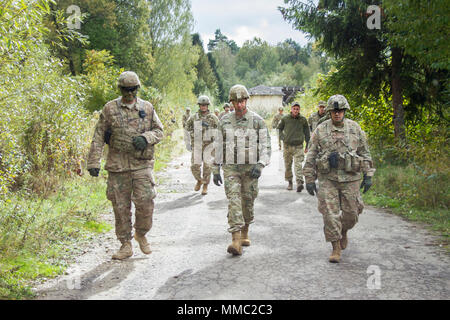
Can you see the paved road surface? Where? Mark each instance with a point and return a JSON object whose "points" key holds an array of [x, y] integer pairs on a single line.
{"points": [[387, 257]]}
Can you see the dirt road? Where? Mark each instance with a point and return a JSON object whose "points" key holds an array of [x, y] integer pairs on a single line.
{"points": [[387, 257]]}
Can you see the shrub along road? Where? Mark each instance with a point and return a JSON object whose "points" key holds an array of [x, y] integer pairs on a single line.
{"points": [[387, 257]]}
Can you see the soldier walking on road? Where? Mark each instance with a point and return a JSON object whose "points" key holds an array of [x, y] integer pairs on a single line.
{"points": [[201, 122], [275, 122], [226, 110], [246, 151], [187, 136], [314, 118], [131, 127], [338, 154], [295, 130], [186, 117]]}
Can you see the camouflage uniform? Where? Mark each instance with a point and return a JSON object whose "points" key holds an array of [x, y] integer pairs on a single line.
{"points": [[338, 187], [314, 118], [205, 121], [240, 188], [186, 117], [130, 175], [295, 132]]}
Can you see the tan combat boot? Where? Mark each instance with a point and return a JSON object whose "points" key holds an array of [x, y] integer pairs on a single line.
{"points": [[143, 243], [198, 185], [344, 239], [124, 252], [235, 247], [205, 189], [336, 254], [245, 241], [290, 186]]}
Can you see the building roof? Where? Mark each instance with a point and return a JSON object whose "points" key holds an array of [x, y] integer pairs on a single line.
{"points": [[266, 91]]}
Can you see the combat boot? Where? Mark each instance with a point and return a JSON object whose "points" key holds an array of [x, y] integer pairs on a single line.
{"points": [[290, 186], [143, 243], [235, 247], [205, 189], [198, 185], [344, 239], [124, 252], [336, 254], [245, 241], [299, 187]]}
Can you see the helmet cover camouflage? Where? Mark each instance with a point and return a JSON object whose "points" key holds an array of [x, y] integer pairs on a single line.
{"points": [[238, 92], [203, 100], [337, 102], [128, 79], [322, 103]]}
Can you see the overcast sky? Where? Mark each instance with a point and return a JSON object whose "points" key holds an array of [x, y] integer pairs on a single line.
{"points": [[242, 20]]}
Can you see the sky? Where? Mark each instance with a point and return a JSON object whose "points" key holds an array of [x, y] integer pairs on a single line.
{"points": [[242, 20]]}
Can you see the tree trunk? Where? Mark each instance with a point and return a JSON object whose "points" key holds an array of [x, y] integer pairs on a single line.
{"points": [[397, 98]]}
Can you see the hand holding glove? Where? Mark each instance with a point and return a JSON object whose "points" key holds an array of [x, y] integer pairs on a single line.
{"points": [[256, 171], [94, 171], [311, 188], [333, 159], [139, 143], [366, 183], [217, 179]]}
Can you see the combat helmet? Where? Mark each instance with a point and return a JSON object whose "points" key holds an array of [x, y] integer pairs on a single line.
{"points": [[128, 79], [203, 100], [238, 92], [226, 105], [322, 103], [337, 102]]}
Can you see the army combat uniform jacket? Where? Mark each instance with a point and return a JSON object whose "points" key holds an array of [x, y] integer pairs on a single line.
{"points": [[351, 144], [125, 122]]}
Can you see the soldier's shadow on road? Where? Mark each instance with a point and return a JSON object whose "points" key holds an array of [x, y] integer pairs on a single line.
{"points": [[183, 202], [82, 286]]}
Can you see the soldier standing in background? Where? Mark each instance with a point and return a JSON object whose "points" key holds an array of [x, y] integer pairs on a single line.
{"points": [[203, 120], [241, 170], [275, 122], [226, 108], [338, 154], [187, 137], [314, 118], [295, 130], [217, 113], [131, 127]]}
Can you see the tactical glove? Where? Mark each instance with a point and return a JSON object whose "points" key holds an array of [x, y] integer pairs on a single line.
{"points": [[366, 183], [311, 188], [256, 171], [139, 143], [333, 159], [107, 136], [94, 171], [217, 179], [205, 124]]}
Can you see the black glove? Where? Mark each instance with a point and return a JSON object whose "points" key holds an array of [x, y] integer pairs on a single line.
{"points": [[256, 171], [107, 136], [94, 171], [366, 183], [139, 143], [205, 124], [311, 188], [217, 179], [333, 159]]}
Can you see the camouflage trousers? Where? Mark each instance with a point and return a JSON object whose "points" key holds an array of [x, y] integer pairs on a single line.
{"points": [[241, 191], [196, 168], [293, 154], [131, 186], [340, 204]]}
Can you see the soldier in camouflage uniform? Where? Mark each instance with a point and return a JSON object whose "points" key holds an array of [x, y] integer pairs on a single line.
{"points": [[295, 130], [314, 118], [131, 128], [203, 121], [275, 122], [187, 136], [226, 108], [244, 152], [338, 155]]}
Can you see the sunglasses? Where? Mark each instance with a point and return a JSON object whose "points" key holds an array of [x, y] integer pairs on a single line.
{"points": [[130, 89]]}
